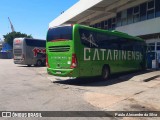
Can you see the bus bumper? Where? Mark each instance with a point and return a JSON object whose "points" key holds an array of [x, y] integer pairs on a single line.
{"points": [[18, 62], [62, 72]]}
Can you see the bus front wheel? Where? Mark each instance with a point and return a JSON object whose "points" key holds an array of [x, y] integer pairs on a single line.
{"points": [[105, 72], [39, 63]]}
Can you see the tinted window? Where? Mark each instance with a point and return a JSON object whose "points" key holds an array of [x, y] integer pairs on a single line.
{"points": [[150, 10], [106, 41], [150, 14], [136, 9], [151, 46], [124, 17], [157, 8], [130, 15], [158, 46], [136, 14], [102, 25], [60, 33], [35, 42], [109, 24], [151, 4], [88, 38], [93, 39], [143, 9], [98, 40], [118, 19]]}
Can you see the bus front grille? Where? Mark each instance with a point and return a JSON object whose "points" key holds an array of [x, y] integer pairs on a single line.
{"points": [[59, 48], [17, 52]]}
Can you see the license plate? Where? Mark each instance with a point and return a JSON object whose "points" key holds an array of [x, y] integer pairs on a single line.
{"points": [[58, 72], [18, 57]]}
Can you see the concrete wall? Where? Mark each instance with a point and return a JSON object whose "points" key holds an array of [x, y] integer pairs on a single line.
{"points": [[142, 28]]}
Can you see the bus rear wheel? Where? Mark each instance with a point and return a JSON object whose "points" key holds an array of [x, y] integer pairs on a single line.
{"points": [[29, 65], [39, 63], [105, 73]]}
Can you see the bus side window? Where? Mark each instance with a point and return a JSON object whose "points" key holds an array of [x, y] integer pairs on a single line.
{"points": [[106, 41], [127, 45], [33, 42], [138, 46], [88, 38]]}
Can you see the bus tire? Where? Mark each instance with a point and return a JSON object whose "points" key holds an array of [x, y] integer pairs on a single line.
{"points": [[105, 72], [39, 63], [29, 65]]}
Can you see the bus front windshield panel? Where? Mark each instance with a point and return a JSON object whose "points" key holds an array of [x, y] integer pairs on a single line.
{"points": [[59, 33]]}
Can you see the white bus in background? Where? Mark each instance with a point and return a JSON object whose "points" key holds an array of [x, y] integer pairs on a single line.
{"points": [[28, 51]]}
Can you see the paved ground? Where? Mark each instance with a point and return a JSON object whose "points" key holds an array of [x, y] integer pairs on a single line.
{"points": [[24, 89], [31, 88], [126, 92]]}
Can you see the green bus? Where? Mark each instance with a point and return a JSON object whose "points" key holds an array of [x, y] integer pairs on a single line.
{"points": [[82, 51]]}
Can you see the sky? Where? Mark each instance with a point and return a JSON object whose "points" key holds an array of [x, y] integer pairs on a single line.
{"points": [[31, 16]]}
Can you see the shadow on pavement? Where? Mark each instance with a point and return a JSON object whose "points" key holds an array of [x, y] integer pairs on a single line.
{"points": [[97, 81], [31, 66]]}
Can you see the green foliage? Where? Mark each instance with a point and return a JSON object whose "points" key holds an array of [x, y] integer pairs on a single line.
{"points": [[9, 37]]}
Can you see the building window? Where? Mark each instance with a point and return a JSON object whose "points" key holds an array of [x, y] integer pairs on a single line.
{"points": [[151, 47], [98, 25], [124, 17], [113, 23], [110, 24], [91, 25], [106, 25], [130, 15], [157, 7], [118, 19], [102, 25], [95, 25], [143, 13], [150, 9], [158, 45], [136, 14]]}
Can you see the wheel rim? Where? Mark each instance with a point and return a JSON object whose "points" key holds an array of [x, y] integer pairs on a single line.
{"points": [[38, 63]]}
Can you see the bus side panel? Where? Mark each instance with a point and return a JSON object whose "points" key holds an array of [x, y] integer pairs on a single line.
{"points": [[30, 60], [33, 54], [94, 58]]}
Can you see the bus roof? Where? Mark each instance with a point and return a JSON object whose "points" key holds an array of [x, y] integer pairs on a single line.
{"points": [[30, 38], [111, 32]]}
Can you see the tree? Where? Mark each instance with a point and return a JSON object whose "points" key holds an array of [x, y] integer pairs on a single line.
{"points": [[9, 37]]}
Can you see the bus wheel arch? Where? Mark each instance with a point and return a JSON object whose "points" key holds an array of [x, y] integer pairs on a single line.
{"points": [[29, 65], [105, 72]]}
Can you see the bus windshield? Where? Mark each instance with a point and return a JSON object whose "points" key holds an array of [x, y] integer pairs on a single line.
{"points": [[59, 33]]}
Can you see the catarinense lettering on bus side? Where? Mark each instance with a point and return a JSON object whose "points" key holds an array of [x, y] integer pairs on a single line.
{"points": [[103, 54]]}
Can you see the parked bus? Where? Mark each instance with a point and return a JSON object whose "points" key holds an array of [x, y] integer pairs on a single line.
{"points": [[28, 51], [81, 51]]}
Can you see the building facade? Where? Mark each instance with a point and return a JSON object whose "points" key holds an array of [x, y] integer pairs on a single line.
{"points": [[135, 17]]}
